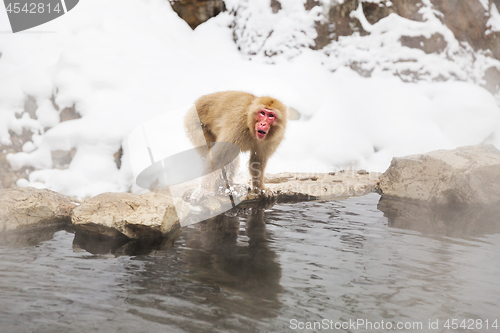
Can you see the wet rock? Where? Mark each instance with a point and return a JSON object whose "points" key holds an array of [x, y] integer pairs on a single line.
{"points": [[27, 207], [466, 175], [124, 214], [285, 187]]}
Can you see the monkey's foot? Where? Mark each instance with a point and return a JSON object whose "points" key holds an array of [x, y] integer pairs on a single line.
{"points": [[260, 195]]}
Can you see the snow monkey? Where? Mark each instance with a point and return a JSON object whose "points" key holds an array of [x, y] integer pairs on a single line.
{"points": [[255, 124]]}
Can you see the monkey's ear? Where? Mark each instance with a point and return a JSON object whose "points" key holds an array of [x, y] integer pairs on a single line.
{"points": [[293, 114]]}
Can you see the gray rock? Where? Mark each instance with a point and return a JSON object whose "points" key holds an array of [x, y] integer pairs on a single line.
{"points": [[125, 214], [313, 186], [466, 175], [26, 207]]}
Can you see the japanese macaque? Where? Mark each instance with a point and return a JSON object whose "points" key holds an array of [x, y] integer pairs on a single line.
{"points": [[255, 124]]}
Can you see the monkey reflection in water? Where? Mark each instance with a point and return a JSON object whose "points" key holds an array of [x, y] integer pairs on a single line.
{"points": [[254, 124], [217, 258]]}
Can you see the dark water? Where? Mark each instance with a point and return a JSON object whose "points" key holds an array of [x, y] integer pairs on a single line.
{"points": [[265, 271]]}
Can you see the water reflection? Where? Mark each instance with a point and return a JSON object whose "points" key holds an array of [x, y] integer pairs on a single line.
{"points": [[224, 270], [460, 221], [30, 237], [243, 261], [101, 244]]}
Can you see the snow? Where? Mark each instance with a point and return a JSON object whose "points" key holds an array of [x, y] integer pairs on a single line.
{"points": [[494, 20], [260, 32], [124, 62], [381, 54]]}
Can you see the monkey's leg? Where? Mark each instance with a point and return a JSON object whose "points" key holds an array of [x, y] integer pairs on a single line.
{"points": [[228, 187], [223, 159], [257, 167]]}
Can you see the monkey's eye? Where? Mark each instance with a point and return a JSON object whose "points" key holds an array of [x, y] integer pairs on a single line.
{"points": [[271, 115], [262, 113]]}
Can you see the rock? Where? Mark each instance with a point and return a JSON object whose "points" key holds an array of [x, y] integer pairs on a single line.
{"points": [[196, 12], [492, 79], [435, 44], [68, 113], [286, 187], [30, 207], [9, 175], [131, 215], [468, 20], [277, 180], [62, 158], [466, 175], [23, 137]]}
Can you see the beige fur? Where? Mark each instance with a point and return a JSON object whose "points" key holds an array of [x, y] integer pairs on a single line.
{"points": [[231, 116]]}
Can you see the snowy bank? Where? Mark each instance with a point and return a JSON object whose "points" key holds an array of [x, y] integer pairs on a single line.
{"points": [[120, 63]]}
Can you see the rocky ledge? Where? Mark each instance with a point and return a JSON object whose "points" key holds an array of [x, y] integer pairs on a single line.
{"points": [[454, 193], [466, 175], [156, 214], [290, 187], [459, 181]]}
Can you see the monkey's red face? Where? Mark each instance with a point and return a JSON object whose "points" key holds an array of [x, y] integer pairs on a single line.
{"points": [[265, 119]]}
